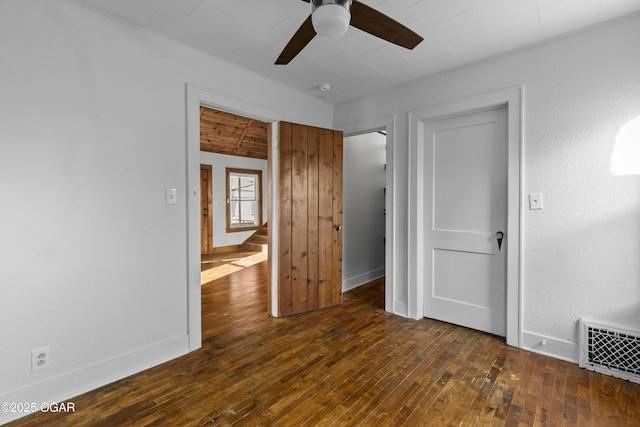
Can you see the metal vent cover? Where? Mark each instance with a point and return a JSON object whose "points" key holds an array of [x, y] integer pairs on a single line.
{"points": [[610, 350]]}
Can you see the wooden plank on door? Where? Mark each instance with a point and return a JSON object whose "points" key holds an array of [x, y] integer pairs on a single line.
{"points": [[325, 217], [284, 220], [299, 217], [336, 283]]}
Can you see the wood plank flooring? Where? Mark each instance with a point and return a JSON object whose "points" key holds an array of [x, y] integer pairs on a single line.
{"points": [[215, 266], [348, 366]]}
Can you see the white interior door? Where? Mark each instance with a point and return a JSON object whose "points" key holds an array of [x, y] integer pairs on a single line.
{"points": [[465, 193]]}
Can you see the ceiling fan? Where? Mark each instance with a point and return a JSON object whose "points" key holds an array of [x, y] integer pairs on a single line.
{"points": [[331, 18]]}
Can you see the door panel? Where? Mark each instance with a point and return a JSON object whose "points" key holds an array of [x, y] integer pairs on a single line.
{"points": [[463, 174], [206, 223], [310, 215], [466, 184]]}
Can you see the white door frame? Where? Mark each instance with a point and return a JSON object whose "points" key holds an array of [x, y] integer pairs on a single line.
{"points": [[195, 97], [511, 99], [368, 126]]}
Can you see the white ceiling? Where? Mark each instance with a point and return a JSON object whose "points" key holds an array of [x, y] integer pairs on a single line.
{"points": [[252, 33]]}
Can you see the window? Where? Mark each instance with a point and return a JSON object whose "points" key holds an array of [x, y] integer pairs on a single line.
{"points": [[244, 199]]}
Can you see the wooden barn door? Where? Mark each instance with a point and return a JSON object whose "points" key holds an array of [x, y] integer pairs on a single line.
{"points": [[310, 218]]}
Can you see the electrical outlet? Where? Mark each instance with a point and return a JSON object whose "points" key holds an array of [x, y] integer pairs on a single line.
{"points": [[40, 359]]}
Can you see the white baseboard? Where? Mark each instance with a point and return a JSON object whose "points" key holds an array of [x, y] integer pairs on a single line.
{"points": [[552, 347], [64, 388], [361, 279]]}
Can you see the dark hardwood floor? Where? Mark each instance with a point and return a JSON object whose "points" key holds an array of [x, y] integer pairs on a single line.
{"points": [[345, 366]]}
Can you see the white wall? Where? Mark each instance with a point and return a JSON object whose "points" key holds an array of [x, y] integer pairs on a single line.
{"points": [[363, 209], [219, 164], [92, 131], [581, 253]]}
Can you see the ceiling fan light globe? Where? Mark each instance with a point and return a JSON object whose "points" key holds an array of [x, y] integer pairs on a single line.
{"points": [[331, 20]]}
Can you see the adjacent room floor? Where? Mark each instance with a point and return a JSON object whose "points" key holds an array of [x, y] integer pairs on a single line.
{"points": [[215, 266]]}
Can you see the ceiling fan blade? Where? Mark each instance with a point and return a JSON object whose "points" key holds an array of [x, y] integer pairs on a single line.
{"points": [[300, 39], [380, 25]]}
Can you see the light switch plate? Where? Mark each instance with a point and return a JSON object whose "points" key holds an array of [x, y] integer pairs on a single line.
{"points": [[171, 196], [535, 201]]}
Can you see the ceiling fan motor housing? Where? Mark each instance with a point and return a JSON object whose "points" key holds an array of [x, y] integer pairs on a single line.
{"points": [[318, 3], [330, 17]]}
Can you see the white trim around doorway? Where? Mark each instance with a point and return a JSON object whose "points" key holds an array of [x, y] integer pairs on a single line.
{"points": [[512, 99], [387, 123], [195, 97]]}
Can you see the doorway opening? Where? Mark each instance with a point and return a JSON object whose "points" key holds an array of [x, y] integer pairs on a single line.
{"points": [[365, 185], [233, 196], [197, 97], [395, 250]]}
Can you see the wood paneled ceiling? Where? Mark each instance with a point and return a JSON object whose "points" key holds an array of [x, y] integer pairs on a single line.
{"points": [[227, 133]]}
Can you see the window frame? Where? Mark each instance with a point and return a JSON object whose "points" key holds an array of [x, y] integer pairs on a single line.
{"points": [[258, 200]]}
